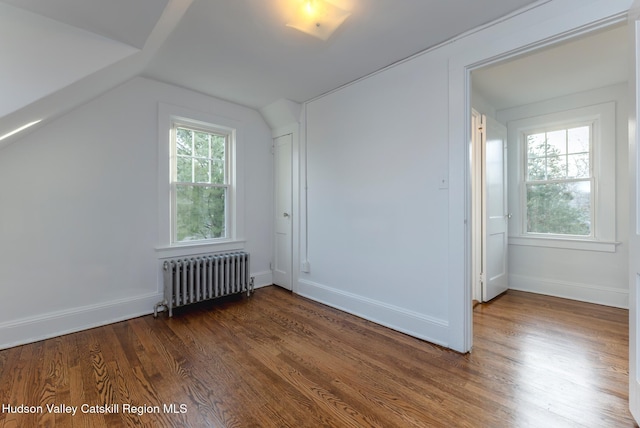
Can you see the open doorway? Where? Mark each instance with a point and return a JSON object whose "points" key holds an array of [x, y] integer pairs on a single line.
{"points": [[564, 109]]}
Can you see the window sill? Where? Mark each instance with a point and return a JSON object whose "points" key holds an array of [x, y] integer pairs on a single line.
{"points": [[565, 243], [194, 249]]}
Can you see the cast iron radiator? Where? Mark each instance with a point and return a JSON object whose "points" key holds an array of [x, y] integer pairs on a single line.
{"points": [[195, 279]]}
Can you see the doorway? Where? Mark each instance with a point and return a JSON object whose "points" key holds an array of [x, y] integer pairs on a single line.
{"points": [[560, 78]]}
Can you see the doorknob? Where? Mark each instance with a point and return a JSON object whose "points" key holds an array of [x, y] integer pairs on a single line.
{"points": [[286, 214], [508, 216]]}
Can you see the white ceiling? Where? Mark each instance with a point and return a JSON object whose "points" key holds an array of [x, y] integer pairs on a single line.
{"points": [[127, 21], [589, 62], [62, 53], [242, 51]]}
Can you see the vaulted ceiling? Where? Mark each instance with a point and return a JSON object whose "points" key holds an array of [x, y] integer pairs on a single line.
{"points": [[58, 54]]}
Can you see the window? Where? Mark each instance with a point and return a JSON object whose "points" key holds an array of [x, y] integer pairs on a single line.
{"points": [[559, 181], [562, 177], [200, 182]]}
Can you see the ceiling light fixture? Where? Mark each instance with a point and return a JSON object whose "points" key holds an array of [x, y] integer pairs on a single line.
{"points": [[22, 128], [318, 18]]}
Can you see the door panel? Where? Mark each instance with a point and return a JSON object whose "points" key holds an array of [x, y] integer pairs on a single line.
{"points": [[495, 217], [282, 266]]}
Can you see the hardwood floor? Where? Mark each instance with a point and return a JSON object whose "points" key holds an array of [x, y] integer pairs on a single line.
{"points": [[277, 359]]}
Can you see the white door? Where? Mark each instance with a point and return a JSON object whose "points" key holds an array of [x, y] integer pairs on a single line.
{"points": [[495, 217], [634, 224], [282, 265]]}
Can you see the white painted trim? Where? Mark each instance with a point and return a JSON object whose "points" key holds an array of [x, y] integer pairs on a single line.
{"points": [[412, 323], [45, 326], [569, 244], [262, 279], [200, 248], [167, 114], [602, 119], [591, 293]]}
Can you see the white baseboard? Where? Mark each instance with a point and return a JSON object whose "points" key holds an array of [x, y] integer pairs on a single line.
{"points": [[52, 324], [410, 322], [590, 293], [262, 279]]}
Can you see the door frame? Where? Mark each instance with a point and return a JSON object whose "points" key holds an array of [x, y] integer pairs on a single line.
{"points": [[494, 47], [634, 212], [294, 130]]}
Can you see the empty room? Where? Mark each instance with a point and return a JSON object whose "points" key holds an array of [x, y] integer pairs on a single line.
{"points": [[279, 213]]}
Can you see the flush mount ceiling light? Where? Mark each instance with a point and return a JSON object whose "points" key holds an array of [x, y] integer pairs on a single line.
{"points": [[318, 18]]}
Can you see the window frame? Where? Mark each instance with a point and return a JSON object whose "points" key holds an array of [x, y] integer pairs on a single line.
{"points": [[603, 170], [166, 247], [592, 178], [229, 136]]}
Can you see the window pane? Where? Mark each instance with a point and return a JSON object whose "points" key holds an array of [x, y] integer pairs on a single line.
{"points": [[559, 208], [183, 141], [578, 165], [201, 144], [557, 142], [556, 167], [201, 170], [218, 143], [578, 139], [217, 172], [200, 212], [536, 145], [537, 169], [184, 169]]}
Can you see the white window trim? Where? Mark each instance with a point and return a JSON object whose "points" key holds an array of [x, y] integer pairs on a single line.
{"points": [[229, 134], [167, 116], [604, 161]]}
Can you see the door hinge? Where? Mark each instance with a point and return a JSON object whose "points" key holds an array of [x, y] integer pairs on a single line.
{"points": [[273, 150], [271, 266]]}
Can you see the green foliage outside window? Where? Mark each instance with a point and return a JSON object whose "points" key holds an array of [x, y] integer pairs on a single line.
{"points": [[558, 182], [201, 185]]}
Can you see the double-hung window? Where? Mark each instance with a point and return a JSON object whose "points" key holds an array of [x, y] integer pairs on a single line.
{"points": [[201, 188], [564, 165], [559, 181]]}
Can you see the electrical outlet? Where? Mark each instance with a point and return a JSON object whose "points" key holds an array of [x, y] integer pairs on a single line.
{"points": [[306, 267]]}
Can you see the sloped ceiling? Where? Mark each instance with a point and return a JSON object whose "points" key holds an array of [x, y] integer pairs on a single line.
{"points": [[126, 21], [46, 55], [242, 51], [58, 54]]}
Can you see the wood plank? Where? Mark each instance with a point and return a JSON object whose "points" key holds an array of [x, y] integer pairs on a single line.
{"points": [[280, 360]]}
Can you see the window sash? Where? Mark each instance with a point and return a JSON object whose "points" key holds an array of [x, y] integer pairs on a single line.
{"points": [[210, 227], [563, 179], [537, 225], [198, 162], [208, 177]]}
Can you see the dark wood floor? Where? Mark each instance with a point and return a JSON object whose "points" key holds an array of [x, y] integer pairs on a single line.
{"points": [[277, 359]]}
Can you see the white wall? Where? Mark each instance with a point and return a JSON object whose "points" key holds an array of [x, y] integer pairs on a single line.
{"points": [[79, 217], [384, 240], [377, 235], [592, 276]]}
